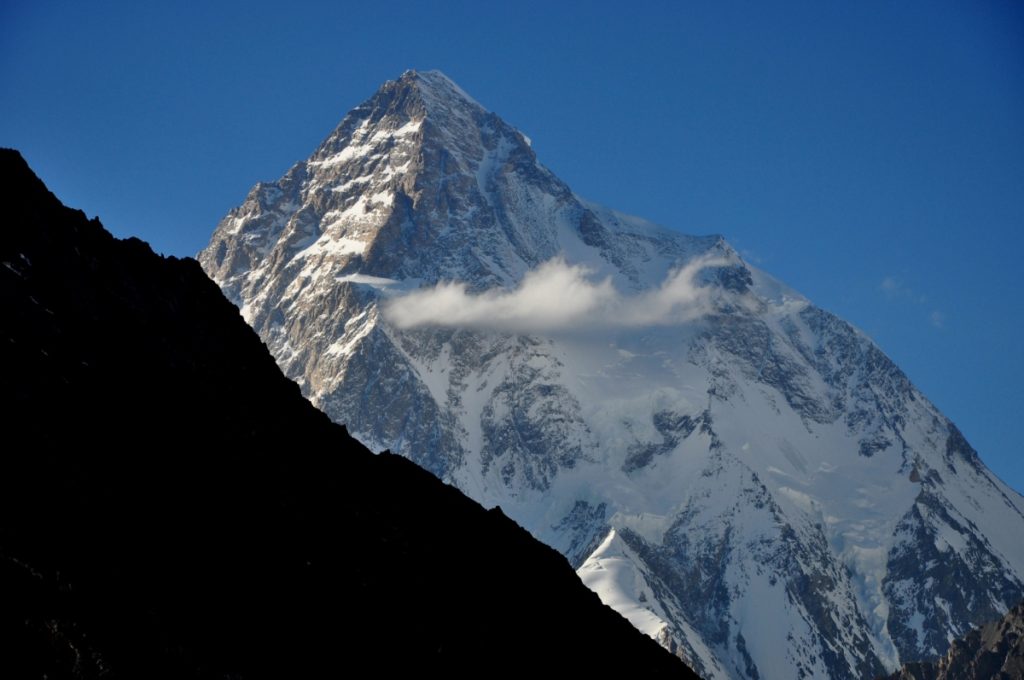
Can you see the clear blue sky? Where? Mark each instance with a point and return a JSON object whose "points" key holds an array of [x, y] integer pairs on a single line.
{"points": [[870, 154]]}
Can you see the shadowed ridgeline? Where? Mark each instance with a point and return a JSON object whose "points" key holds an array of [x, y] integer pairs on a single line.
{"points": [[170, 505]]}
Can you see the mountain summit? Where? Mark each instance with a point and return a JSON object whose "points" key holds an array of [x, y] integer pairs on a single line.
{"points": [[746, 477]]}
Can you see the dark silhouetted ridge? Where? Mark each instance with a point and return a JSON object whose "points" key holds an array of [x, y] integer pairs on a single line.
{"points": [[170, 505]]}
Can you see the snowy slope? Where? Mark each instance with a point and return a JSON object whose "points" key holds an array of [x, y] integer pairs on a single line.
{"points": [[746, 477]]}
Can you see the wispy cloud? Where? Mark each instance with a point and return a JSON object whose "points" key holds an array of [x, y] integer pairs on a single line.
{"points": [[889, 285], [556, 296], [752, 256], [896, 290]]}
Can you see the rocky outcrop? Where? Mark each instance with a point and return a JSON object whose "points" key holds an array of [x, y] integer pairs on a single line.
{"points": [[993, 652]]}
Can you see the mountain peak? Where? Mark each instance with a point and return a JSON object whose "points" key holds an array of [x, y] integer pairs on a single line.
{"points": [[436, 88], [397, 111], [417, 182]]}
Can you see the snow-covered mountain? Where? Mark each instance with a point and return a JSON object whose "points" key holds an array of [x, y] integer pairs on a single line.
{"points": [[746, 477]]}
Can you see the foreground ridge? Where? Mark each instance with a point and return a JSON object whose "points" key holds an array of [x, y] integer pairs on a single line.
{"points": [[170, 506]]}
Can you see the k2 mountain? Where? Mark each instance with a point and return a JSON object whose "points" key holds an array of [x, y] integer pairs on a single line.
{"points": [[746, 477]]}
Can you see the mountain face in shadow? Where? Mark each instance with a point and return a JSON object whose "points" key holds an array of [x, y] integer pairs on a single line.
{"points": [[171, 506]]}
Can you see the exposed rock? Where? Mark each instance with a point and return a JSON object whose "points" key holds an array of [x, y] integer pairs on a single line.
{"points": [[993, 652]]}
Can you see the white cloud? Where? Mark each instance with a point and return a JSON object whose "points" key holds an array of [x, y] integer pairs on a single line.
{"points": [[556, 297], [895, 290], [890, 286]]}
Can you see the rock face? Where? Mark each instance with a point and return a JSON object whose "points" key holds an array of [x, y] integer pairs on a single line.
{"points": [[745, 476], [171, 507], [993, 652]]}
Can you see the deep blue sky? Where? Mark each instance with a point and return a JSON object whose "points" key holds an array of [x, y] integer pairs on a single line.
{"points": [[870, 154]]}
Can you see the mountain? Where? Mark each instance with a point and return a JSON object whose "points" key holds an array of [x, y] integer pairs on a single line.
{"points": [[745, 476], [995, 651], [171, 507]]}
